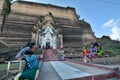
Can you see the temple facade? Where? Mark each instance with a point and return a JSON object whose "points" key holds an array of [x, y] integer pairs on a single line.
{"points": [[48, 25], [46, 34], [48, 37]]}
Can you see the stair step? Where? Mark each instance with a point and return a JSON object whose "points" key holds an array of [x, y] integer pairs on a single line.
{"points": [[49, 55]]}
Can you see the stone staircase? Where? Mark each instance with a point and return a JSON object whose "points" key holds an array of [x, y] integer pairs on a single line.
{"points": [[49, 55]]}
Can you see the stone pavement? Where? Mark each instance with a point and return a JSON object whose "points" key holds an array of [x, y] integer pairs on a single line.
{"points": [[48, 73], [88, 69], [65, 70]]}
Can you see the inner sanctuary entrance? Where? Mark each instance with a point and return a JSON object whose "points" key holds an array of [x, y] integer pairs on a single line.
{"points": [[48, 37], [46, 33]]}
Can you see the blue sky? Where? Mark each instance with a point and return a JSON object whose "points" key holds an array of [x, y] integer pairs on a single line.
{"points": [[103, 15]]}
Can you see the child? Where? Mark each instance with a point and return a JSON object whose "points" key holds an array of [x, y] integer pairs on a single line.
{"points": [[92, 52], [85, 54]]}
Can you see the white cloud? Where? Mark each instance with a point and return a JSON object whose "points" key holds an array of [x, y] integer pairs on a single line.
{"points": [[115, 33], [111, 23], [115, 29], [108, 23]]}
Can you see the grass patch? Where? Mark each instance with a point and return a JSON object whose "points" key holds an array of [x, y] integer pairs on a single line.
{"points": [[13, 66], [110, 45], [3, 67]]}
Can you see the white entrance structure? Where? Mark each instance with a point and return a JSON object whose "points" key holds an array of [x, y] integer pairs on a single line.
{"points": [[48, 37], [47, 33]]}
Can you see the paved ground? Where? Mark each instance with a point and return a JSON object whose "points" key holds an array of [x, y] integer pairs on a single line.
{"points": [[88, 69], [48, 73], [67, 72], [64, 70]]}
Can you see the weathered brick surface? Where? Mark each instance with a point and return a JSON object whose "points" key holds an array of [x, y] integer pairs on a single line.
{"points": [[24, 15]]}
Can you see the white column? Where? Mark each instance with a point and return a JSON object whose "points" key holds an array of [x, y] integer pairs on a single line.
{"points": [[61, 41]]}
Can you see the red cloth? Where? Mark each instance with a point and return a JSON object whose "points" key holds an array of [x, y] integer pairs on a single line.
{"points": [[86, 52]]}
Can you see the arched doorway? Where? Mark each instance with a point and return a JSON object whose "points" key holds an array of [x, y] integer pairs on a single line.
{"points": [[48, 37]]}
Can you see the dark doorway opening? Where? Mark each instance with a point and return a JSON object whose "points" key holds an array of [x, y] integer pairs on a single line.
{"points": [[47, 45]]}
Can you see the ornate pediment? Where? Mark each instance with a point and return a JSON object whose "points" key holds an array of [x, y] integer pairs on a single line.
{"points": [[48, 29], [47, 20]]}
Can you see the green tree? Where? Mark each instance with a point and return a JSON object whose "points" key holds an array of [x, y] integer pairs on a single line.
{"points": [[6, 11]]}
